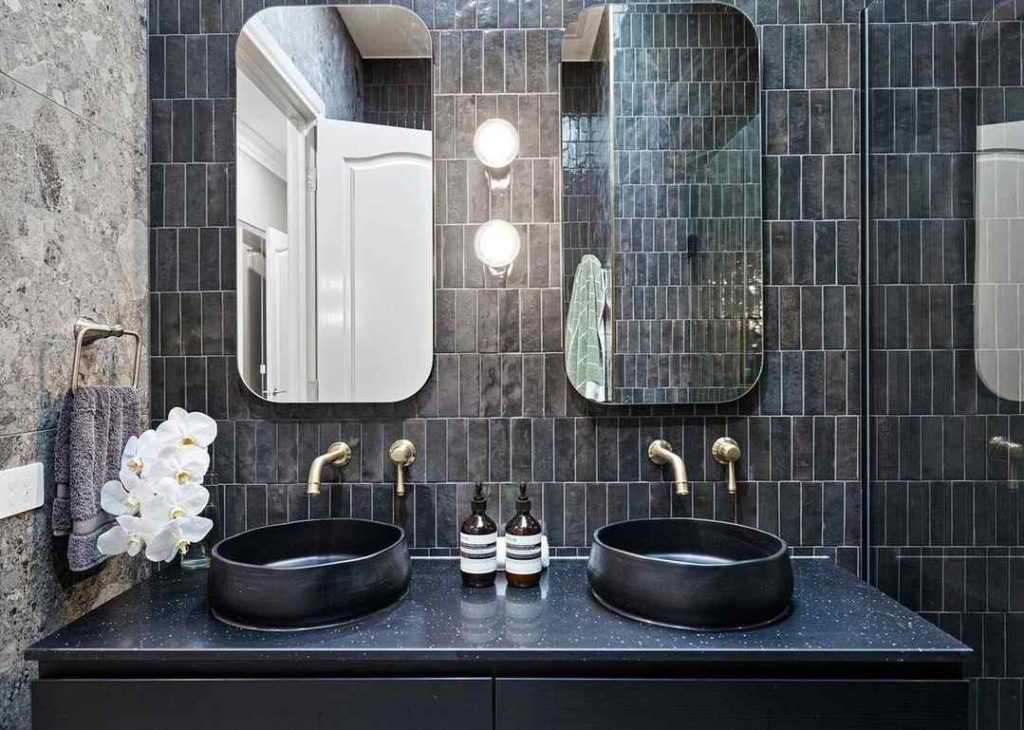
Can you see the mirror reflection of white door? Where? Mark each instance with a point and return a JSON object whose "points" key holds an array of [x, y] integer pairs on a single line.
{"points": [[282, 318], [374, 261]]}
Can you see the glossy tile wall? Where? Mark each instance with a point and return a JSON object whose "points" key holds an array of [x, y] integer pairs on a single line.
{"points": [[498, 407], [946, 521], [73, 227]]}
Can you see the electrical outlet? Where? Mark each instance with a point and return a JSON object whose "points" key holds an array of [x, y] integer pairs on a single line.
{"points": [[21, 489]]}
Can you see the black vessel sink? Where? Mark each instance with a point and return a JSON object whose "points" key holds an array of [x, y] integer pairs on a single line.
{"points": [[692, 574], [308, 574]]}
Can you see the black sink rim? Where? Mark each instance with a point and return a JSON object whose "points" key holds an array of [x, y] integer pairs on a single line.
{"points": [[215, 553], [751, 587], [247, 593], [724, 628], [715, 524], [236, 624]]}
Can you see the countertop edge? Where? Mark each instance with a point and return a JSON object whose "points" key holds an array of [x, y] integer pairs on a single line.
{"points": [[511, 656]]}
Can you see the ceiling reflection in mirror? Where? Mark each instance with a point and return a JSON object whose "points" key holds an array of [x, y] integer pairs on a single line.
{"points": [[334, 204], [661, 201]]}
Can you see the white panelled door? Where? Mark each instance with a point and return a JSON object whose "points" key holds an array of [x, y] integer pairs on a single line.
{"points": [[374, 261]]}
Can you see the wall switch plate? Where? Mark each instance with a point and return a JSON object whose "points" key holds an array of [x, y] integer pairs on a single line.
{"points": [[21, 489]]}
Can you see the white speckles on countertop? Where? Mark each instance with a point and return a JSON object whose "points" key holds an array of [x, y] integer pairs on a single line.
{"points": [[836, 618]]}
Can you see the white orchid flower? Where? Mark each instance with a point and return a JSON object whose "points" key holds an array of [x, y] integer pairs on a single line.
{"points": [[132, 482], [158, 496], [130, 535], [176, 536], [187, 429], [125, 496], [141, 452], [183, 465], [172, 501], [114, 541], [116, 499]]}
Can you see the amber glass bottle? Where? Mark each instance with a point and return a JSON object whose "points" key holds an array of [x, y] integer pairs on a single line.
{"points": [[478, 544], [522, 545]]}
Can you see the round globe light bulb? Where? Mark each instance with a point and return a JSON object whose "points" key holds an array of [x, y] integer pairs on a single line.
{"points": [[497, 244], [496, 143]]}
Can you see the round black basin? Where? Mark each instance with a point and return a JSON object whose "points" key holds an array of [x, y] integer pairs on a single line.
{"points": [[692, 574], [308, 574]]}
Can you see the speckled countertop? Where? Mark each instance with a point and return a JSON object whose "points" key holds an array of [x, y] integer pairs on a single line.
{"points": [[836, 618]]}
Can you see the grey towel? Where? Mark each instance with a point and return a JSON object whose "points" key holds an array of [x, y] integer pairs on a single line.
{"points": [[93, 426]]}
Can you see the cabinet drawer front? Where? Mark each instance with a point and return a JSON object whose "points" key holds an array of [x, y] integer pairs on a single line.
{"points": [[262, 704], [682, 704]]}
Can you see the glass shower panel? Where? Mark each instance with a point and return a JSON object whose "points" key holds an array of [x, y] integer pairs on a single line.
{"points": [[945, 232]]}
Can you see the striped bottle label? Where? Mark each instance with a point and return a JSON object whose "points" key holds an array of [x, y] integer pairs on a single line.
{"points": [[478, 553], [522, 554]]}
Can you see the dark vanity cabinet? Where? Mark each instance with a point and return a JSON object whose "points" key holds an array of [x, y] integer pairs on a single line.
{"points": [[847, 658], [436, 703], [729, 704], [483, 703]]}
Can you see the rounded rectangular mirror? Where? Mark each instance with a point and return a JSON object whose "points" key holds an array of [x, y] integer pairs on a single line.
{"points": [[661, 202], [334, 204]]}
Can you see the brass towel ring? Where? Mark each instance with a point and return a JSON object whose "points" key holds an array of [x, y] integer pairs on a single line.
{"points": [[88, 331]]}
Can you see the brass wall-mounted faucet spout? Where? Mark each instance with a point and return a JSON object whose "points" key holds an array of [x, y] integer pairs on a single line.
{"points": [[402, 454], [660, 452], [338, 453], [1002, 449]]}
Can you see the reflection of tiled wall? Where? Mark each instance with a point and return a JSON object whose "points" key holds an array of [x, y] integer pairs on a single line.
{"points": [[586, 167], [947, 524], [397, 92], [687, 148], [498, 407]]}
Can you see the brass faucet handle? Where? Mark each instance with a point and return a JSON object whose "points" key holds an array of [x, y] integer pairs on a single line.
{"points": [[402, 454], [727, 452]]}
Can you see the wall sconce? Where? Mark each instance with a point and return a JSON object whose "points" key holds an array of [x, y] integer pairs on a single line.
{"points": [[496, 144], [497, 244]]}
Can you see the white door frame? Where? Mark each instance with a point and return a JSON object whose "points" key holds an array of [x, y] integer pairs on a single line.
{"points": [[262, 59]]}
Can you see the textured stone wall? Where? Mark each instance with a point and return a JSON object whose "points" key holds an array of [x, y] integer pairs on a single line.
{"points": [[73, 230]]}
